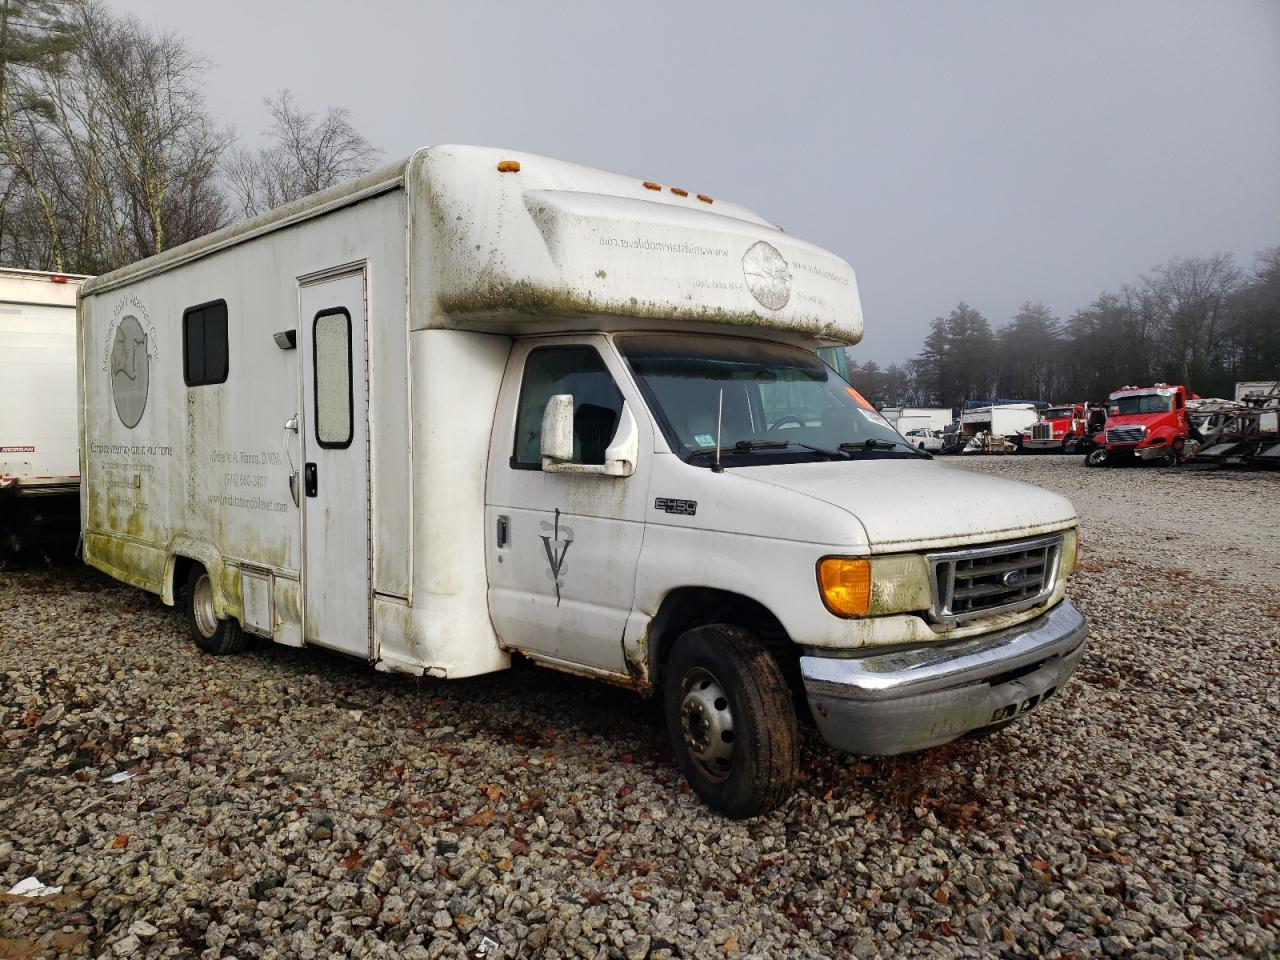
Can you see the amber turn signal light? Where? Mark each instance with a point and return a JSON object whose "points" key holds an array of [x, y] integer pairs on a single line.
{"points": [[508, 166], [845, 584]]}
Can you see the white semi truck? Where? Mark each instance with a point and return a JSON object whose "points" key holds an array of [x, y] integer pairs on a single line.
{"points": [[39, 466], [482, 403]]}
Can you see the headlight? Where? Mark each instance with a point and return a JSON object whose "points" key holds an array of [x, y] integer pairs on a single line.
{"points": [[1070, 552], [859, 587]]}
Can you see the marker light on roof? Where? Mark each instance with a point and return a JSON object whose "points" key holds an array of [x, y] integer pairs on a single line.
{"points": [[650, 185], [704, 198], [57, 278], [680, 191], [508, 166]]}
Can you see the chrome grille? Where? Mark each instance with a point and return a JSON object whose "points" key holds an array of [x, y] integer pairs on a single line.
{"points": [[1124, 434], [980, 581], [1040, 431]]}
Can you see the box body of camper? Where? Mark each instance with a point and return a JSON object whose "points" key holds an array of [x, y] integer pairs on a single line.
{"points": [[483, 403]]}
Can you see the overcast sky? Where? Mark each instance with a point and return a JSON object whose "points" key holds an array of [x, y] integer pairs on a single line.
{"points": [[991, 152]]}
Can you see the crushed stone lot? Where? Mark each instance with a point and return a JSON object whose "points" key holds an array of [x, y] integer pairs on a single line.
{"points": [[287, 803]]}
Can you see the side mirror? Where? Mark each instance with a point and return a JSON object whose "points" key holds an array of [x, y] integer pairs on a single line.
{"points": [[620, 457], [622, 454], [557, 431]]}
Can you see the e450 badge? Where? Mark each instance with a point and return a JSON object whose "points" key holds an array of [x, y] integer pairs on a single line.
{"points": [[684, 508]]}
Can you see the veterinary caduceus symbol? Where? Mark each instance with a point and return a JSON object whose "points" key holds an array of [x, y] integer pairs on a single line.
{"points": [[556, 540]]}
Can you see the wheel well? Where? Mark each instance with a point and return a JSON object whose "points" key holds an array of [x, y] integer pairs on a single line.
{"points": [[181, 570], [688, 607]]}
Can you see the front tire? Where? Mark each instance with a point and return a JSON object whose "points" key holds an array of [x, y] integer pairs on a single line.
{"points": [[210, 633], [1097, 457], [731, 721]]}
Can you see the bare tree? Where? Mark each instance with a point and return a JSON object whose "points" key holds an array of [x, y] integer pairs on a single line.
{"points": [[1188, 297], [34, 35], [109, 149], [303, 156]]}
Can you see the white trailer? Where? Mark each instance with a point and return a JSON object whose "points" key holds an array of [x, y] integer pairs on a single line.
{"points": [[482, 403], [39, 466], [998, 420], [921, 418]]}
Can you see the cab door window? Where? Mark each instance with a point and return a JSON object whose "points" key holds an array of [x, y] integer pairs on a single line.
{"points": [[597, 403]]}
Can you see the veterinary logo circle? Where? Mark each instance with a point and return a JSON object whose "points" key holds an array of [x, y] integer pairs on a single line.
{"points": [[767, 274], [130, 371]]}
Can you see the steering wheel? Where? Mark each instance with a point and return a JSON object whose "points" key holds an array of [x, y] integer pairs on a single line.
{"points": [[790, 418]]}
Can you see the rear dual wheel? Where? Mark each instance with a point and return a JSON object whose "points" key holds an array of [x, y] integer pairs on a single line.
{"points": [[210, 632], [731, 720]]}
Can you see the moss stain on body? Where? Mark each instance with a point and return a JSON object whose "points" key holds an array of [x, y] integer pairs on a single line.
{"points": [[531, 299]]}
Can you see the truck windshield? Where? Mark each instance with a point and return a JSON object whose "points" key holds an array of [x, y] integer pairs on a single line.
{"points": [[1145, 403], [1058, 413], [772, 402]]}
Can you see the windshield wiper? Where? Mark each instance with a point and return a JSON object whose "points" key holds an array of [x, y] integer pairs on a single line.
{"points": [[742, 446], [844, 452], [871, 444]]}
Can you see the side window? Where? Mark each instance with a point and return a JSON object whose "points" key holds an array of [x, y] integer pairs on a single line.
{"points": [[597, 403], [331, 354], [204, 344]]}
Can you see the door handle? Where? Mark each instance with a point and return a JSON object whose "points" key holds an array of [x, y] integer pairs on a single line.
{"points": [[291, 425], [309, 478], [504, 531]]}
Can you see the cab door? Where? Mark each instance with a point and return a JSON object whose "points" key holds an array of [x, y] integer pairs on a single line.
{"points": [[563, 548], [335, 474]]}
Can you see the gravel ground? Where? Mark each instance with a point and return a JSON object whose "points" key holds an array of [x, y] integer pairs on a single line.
{"points": [[291, 804]]}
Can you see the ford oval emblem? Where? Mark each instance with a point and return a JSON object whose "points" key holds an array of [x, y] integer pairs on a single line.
{"points": [[1012, 578]]}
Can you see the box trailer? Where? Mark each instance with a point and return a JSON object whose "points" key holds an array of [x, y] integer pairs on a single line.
{"points": [[39, 465], [482, 403], [921, 418], [1008, 420]]}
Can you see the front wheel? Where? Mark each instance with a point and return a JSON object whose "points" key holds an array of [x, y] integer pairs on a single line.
{"points": [[1096, 458], [731, 720], [209, 632]]}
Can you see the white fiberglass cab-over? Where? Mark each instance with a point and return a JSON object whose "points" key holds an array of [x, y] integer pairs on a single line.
{"points": [[482, 403]]}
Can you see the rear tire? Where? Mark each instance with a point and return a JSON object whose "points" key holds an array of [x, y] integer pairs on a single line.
{"points": [[210, 633], [731, 720]]}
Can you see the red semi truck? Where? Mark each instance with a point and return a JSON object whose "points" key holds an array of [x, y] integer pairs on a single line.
{"points": [[1056, 428], [1148, 424]]}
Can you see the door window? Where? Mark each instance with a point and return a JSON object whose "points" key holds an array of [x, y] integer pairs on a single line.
{"points": [[597, 403], [332, 357]]}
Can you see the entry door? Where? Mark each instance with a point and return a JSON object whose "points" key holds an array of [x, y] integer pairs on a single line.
{"points": [[563, 547], [335, 473]]}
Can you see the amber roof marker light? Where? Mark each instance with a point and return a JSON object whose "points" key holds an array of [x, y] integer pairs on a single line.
{"points": [[508, 166], [680, 191], [650, 185], [704, 198]]}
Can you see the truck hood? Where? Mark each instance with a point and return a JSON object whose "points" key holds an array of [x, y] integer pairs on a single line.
{"points": [[918, 504], [1134, 419]]}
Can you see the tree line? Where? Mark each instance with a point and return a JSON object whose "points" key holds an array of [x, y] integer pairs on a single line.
{"points": [[108, 150], [1205, 322]]}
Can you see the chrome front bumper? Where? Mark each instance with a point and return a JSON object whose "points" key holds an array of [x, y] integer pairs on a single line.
{"points": [[920, 697]]}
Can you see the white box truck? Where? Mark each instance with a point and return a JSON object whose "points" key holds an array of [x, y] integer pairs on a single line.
{"points": [[483, 403], [919, 418], [39, 465], [1007, 420]]}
